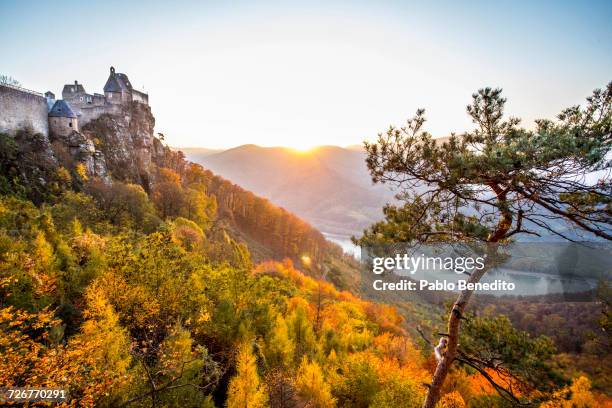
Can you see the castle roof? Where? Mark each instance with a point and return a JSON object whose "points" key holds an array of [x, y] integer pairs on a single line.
{"points": [[117, 82], [73, 88], [61, 109]]}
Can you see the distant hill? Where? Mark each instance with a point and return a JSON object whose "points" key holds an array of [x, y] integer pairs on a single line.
{"points": [[197, 153], [328, 186]]}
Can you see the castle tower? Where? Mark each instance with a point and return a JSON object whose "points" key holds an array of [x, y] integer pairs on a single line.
{"points": [[62, 120], [118, 88]]}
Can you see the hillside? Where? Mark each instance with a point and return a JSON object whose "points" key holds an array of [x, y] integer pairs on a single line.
{"points": [[124, 148], [328, 186], [271, 232]]}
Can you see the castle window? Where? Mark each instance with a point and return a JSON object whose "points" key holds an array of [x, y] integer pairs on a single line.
{"points": [[70, 124]]}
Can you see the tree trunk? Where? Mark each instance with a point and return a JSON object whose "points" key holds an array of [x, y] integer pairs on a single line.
{"points": [[456, 314], [454, 324]]}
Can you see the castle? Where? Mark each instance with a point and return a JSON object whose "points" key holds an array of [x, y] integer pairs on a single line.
{"points": [[21, 108]]}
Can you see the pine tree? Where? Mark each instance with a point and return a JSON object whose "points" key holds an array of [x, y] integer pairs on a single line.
{"points": [[494, 183]]}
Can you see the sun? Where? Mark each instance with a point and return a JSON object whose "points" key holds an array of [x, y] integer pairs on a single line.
{"points": [[302, 149]]}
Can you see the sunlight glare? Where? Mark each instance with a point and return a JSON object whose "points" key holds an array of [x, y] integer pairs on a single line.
{"points": [[302, 149]]}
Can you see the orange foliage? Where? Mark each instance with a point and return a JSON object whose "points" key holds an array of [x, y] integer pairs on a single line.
{"points": [[385, 317], [480, 385], [451, 400]]}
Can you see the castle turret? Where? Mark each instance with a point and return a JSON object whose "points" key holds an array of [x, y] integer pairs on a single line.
{"points": [[62, 119]]}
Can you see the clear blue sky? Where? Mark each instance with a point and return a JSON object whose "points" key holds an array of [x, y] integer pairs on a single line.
{"points": [[309, 73]]}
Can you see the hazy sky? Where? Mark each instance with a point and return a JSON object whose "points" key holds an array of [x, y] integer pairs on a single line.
{"points": [[309, 73]]}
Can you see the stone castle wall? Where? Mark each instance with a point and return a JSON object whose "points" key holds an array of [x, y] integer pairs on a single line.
{"points": [[141, 97], [20, 108], [89, 113]]}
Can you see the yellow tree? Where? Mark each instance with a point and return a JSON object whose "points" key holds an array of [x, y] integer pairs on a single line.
{"points": [[93, 366], [301, 334], [311, 386], [577, 395], [279, 351], [102, 347], [22, 352], [581, 393], [245, 390]]}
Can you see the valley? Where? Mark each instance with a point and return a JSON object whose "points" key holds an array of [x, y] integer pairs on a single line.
{"points": [[328, 186]]}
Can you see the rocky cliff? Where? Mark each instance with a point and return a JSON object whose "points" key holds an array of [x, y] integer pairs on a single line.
{"points": [[113, 147], [121, 146]]}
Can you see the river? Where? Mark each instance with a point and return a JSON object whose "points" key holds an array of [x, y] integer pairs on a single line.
{"points": [[527, 283], [345, 242]]}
